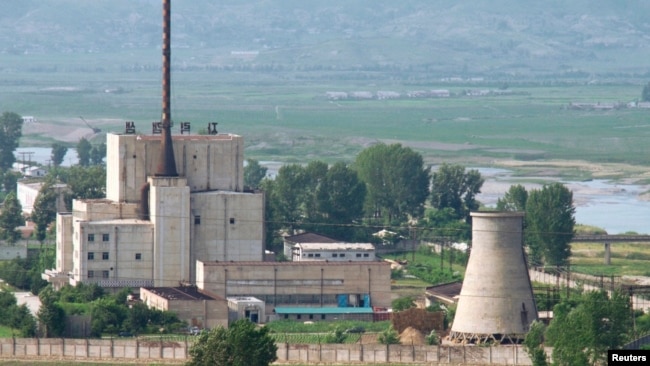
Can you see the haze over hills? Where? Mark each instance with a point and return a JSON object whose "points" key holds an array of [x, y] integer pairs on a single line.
{"points": [[483, 37]]}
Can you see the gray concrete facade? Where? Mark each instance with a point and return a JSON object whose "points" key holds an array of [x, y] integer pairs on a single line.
{"points": [[496, 301]]}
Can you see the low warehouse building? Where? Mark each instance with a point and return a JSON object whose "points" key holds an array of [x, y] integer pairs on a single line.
{"points": [[300, 284], [196, 307]]}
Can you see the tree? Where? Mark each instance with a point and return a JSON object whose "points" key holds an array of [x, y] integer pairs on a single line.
{"points": [[44, 212], [58, 153], [50, 314], [534, 344], [514, 200], [83, 151], [549, 224], [253, 174], [403, 303], [581, 335], [397, 182], [11, 218], [645, 94], [339, 202], [85, 182], [453, 187], [11, 125], [287, 196], [242, 344], [98, 153]]}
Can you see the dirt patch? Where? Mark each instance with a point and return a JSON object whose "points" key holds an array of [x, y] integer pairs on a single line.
{"points": [[411, 336]]}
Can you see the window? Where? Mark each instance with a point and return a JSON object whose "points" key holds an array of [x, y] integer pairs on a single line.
{"points": [[232, 220], [91, 256], [105, 256], [311, 316], [138, 256], [358, 255], [342, 255], [298, 316], [322, 316], [106, 237], [105, 274], [91, 274], [317, 255], [366, 255], [310, 255], [334, 255], [197, 220], [286, 316], [91, 237]]}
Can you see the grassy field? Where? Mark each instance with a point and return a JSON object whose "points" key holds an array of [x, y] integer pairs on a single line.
{"points": [[286, 117], [629, 259]]}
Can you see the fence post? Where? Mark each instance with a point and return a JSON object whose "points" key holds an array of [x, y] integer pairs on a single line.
{"points": [[361, 352]]}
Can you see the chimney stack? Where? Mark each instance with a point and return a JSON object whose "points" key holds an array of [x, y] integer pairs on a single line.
{"points": [[166, 162]]}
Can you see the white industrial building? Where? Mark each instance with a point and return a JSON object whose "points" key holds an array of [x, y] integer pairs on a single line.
{"points": [[150, 230]]}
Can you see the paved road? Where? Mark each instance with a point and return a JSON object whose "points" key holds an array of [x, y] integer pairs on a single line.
{"points": [[32, 301]]}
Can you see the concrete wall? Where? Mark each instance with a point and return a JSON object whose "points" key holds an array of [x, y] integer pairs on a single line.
{"points": [[212, 162], [125, 239], [79, 349], [297, 283], [9, 252], [227, 226]]}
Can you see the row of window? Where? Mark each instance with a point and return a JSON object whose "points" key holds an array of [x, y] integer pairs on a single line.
{"points": [[334, 255], [104, 274], [105, 237], [105, 256]]}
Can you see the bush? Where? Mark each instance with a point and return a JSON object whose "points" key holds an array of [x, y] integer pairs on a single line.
{"points": [[432, 339], [403, 303], [389, 336], [335, 337]]}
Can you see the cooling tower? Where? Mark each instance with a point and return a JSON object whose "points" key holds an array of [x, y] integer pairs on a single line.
{"points": [[496, 301]]}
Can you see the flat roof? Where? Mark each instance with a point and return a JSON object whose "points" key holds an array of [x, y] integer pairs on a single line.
{"points": [[336, 246], [376, 262], [318, 310], [179, 293]]}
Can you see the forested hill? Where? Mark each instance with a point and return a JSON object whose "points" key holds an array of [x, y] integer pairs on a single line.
{"points": [[480, 36]]}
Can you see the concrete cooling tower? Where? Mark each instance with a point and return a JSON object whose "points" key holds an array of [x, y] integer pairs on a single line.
{"points": [[496, 302]]}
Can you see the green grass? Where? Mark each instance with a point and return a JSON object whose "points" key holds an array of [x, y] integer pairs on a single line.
{"points": [[290, 326], [286, 120], [6, 332]]}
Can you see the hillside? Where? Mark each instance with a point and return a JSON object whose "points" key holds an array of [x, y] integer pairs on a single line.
{"points": [[483, 37]]}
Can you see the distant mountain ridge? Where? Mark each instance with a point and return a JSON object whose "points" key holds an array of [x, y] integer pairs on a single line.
{"points": [[483, 36]]}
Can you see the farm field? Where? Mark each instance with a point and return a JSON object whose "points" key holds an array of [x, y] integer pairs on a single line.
{"points": [[287, 117]]}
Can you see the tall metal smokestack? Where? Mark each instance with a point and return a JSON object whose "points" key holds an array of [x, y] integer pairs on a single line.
{"points": [[166, 162]]}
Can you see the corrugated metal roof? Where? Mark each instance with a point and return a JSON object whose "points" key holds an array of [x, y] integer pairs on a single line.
{"points": [[317, 310]]}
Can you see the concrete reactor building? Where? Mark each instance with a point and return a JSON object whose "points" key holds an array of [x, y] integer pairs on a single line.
{"points": [[176, 214], [496, 301]]}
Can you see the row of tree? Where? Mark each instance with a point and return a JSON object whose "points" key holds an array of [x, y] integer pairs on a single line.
{"points": [[389, 186]]}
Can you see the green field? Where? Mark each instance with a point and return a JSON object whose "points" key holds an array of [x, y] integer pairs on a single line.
{"points": [[286, 116]]}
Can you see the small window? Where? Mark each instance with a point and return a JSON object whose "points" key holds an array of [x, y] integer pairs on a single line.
{"points": [[310, 255], [366, 255], [105, 274], [286, 316], [91, 274], [232, 220], [91, 237], [298, 316], [105, 256], [342, 255], [138, 256], [358, 255], [91, 256], [334, 255], [317, 255], [311, 316], [197, 220], [106, 237], [322, 316]]}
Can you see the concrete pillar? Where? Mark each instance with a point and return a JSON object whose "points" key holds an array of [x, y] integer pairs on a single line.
{"points": [[608, 254]]}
